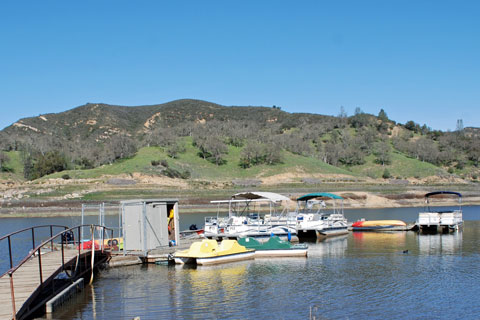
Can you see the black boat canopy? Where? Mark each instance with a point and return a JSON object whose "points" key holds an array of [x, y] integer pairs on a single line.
{"points": [[443, 192]]}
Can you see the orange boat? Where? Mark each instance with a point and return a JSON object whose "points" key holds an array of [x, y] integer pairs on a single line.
{"points": [[379, 225]]}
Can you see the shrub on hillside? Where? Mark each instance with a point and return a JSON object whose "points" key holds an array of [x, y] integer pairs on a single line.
{"points": [[386, 174], [173, 173]]}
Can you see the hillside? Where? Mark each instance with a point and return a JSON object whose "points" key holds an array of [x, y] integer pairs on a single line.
{"points": [[199, 140]]}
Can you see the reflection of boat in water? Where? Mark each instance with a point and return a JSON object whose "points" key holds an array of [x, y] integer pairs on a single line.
{"points": [[380, 240], [331, 247], [244, 221], [210, 252], [274, 247], [440, 243], [313, 221], [440, 221], [379, 225]]}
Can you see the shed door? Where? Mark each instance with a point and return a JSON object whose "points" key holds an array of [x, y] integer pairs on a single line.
{"points": [[157, 228], [133, 227]]}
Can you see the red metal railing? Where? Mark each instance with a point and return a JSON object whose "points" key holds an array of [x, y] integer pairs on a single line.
{"points": [[37, 250]]}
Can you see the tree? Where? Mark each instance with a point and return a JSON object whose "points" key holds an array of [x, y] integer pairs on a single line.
{"points": [[410, 125], [332, 153], [217, 149], [253, 154], [386, 174], [382, 115], [294, 143], [382, 152], [37, 165], [273, 154], [211, 148], [3, 160], [426, 150], [120, 146], [361, 119], [474, 152], [174, 149], [28, 167]]}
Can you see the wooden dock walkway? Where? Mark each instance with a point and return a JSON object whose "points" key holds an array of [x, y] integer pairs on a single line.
{"points": [[26, 279]]}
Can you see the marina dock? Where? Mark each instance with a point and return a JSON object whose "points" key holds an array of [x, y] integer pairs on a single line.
{"points": [[46, 271]]}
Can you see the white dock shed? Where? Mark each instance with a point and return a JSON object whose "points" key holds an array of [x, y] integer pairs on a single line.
{"points": [[149, 224]]}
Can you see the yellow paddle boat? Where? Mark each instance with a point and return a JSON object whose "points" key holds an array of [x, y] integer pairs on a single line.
{"points": [[207, 252]]}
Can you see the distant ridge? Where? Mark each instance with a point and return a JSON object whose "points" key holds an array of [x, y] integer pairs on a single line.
{"points": [[200, 134]]}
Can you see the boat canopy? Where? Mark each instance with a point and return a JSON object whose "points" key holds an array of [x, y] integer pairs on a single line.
{"points": [[318, 195], [443, 192], [274, 197]]}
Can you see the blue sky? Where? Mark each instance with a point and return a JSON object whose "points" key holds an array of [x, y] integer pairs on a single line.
{"points": [[418, 60]]}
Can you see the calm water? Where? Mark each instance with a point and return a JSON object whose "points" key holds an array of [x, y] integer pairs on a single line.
{"points": [[358, 276]]}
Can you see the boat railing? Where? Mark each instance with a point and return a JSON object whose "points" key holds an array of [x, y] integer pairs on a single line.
{"points": [[428, 218]]}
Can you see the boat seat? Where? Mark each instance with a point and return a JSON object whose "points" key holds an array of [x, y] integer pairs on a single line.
{"points": [[204, 246]]}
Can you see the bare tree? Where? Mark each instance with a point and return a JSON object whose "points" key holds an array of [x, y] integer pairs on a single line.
{"points": [[426, 150], [474, 152], [382, 152]]}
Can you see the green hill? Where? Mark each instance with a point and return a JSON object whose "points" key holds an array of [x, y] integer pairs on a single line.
{"points": [[200, 140]]}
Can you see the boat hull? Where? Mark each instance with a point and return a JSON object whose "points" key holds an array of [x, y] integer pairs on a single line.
{"points": [[185, 260], [226, 258], [381, 228], [281, 253], [321, 233]]}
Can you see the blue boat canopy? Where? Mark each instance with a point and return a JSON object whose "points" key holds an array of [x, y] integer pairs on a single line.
{"points": [[443, 192], [318, 195]]}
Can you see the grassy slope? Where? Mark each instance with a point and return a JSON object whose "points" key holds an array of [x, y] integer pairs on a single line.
{"points": [[401, 166], [202, 169], [15, 164]]}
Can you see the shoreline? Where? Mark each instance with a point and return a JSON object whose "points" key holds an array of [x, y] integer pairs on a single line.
{"points": [[354, 201]]}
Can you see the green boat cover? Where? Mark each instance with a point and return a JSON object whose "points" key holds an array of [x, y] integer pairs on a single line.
{"points": [[274, 243]]}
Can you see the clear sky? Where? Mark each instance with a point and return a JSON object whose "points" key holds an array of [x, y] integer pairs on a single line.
{"points": [[418, 60]]}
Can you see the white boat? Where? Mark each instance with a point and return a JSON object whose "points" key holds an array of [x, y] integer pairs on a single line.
{"points": [[313, 219], [435, 220], [245, 220]]}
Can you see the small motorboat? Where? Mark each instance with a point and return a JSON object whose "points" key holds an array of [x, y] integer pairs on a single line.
{"points": [[208, 251], [314, 222], [379, 225], [192, 233], [274, 247]]}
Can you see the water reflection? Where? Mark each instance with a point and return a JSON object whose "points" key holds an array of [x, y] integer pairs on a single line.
{"points": [[358, 276], [430, 244], [329, 247], [374, 241]]}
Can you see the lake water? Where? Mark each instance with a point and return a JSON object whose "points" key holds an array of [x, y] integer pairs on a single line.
{"points": [[357, 276]]}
